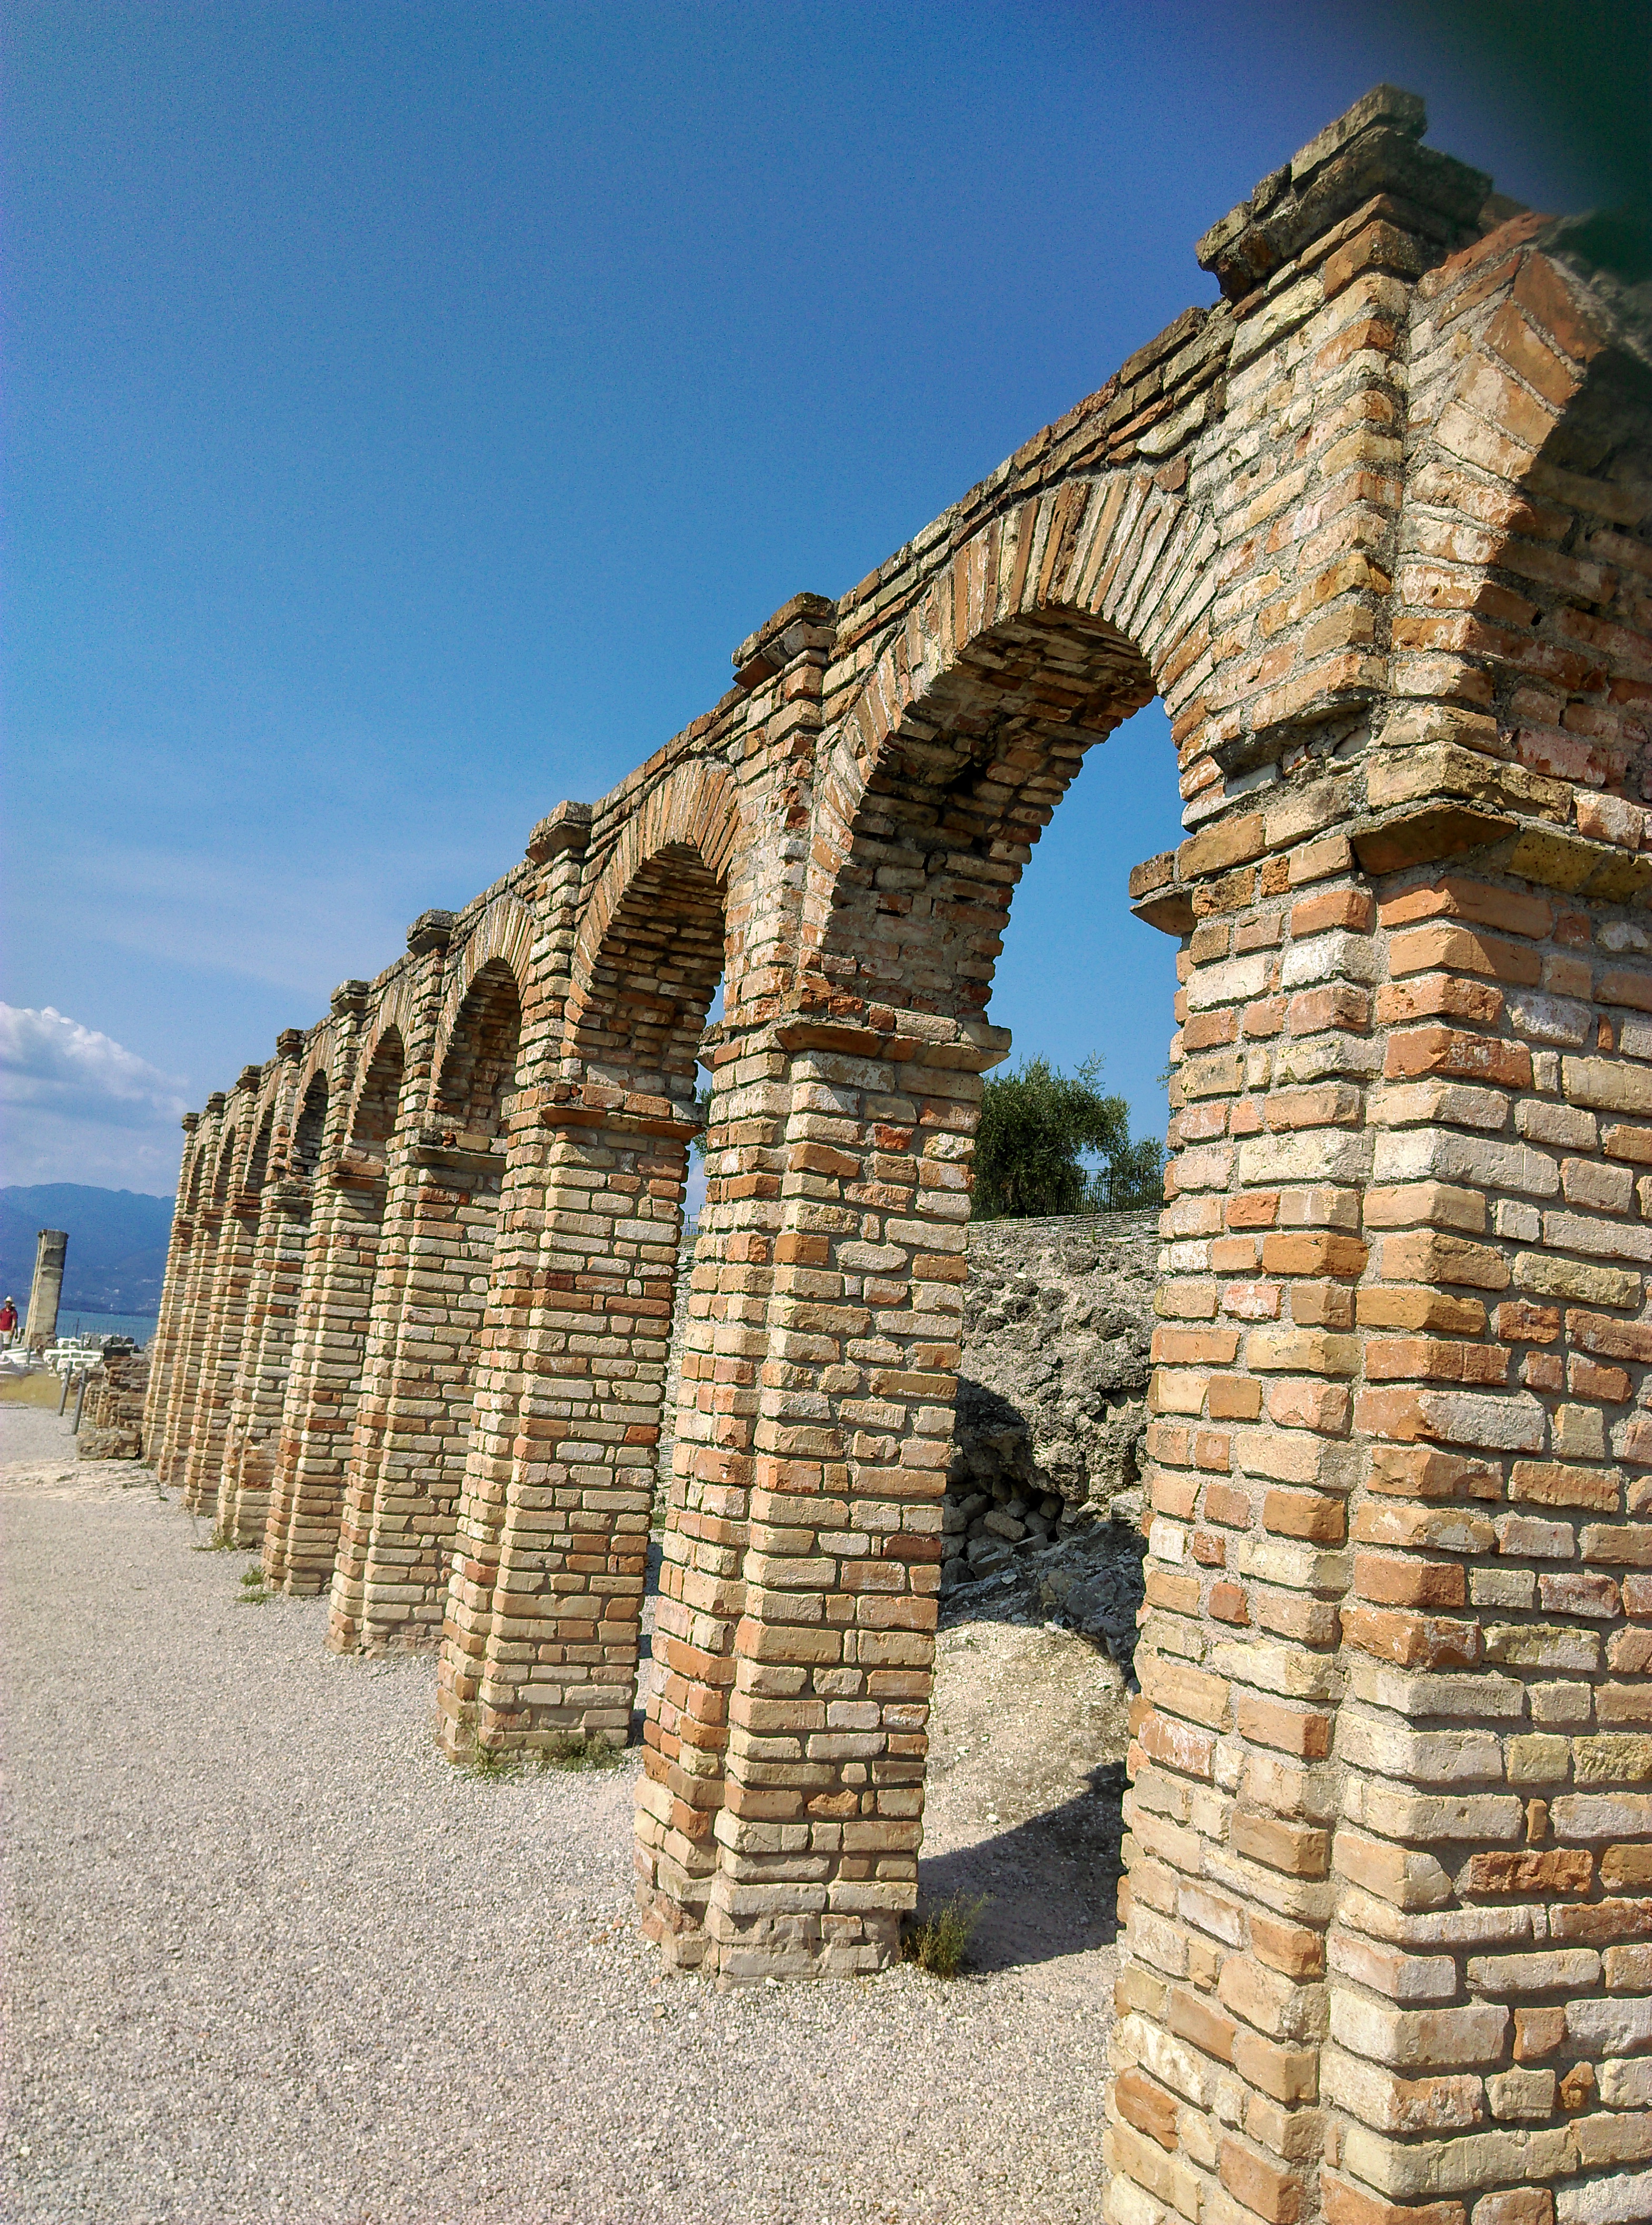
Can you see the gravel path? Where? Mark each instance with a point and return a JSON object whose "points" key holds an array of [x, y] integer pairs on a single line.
{"points": [[268, 1958], [35, 1433]]}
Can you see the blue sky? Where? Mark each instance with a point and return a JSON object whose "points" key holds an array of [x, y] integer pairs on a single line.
{"points": [[410, 406]]}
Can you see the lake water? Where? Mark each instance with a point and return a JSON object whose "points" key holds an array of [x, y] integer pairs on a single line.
{"points": [[78, 1320]]}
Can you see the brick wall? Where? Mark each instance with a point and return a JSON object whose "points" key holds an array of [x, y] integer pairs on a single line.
{"points": [[1375, 527]]}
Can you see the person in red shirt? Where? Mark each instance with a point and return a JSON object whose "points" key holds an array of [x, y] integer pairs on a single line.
{"points": [[8, 1321]]}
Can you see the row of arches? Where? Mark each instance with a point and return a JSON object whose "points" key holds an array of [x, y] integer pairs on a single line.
{"points": [[446, 1400], [1375, 530], [275, 1315], [406, 1318], [486, 1162]]}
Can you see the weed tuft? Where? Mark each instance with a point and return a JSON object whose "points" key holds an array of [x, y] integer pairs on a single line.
{"points": [[581, 1750], [939, 1941], [574, 1751], [252, 1592], [490, 1762]]}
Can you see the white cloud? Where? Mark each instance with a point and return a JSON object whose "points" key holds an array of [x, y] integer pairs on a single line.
{"points": [[77, 1107]]}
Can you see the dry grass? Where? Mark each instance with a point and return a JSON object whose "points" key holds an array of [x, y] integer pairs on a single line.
{"points": [[40, 1389]]}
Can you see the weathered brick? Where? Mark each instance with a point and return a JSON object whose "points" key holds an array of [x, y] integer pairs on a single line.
{"points": [[1405, 1234]]}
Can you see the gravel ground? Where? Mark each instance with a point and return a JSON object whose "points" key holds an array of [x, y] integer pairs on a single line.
{"points": [[35, 1433], [268, 1958]]}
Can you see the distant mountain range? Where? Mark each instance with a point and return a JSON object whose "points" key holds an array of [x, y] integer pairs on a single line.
{"points": [[118, 1244]]}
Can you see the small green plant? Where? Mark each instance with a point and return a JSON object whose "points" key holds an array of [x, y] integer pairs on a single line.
{"points": [[252, 1592], [490, 1762], [219, 1542], [939, 1941], [581, 1750], [573, 1751]]}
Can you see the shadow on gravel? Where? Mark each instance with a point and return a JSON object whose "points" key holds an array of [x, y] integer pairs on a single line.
{"points": [[1050, 1884]]}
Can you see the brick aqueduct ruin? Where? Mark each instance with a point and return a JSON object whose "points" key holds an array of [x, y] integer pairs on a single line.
{"points": [[1378, 528]]}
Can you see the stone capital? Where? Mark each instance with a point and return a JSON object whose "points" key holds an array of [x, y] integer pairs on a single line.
{"points": [[431, 931], [566, 828]]}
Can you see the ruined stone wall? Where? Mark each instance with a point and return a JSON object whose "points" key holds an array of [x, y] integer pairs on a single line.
{"points": [[1377, 530], [1052, 1388], [111, 1420]]}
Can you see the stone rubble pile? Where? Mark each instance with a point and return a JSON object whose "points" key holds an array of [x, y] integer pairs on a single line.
{"points": [[111, 1420], [1052, 1391], [1089, 1581]]}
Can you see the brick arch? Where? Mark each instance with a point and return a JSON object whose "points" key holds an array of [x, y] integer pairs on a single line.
{"points": [[1517, 595], [307, 1137], [1051, 623], [317, 1063], [1525, 366], [366, 1111], [394, 1016], [394, 1012], [636, 1021], [961, 789], [223, 1161], [476, 1073], [591, 1277], [260, 1137], [502, 936], [650, 949], [261, 1129], [189, 1184], [695, 808]]}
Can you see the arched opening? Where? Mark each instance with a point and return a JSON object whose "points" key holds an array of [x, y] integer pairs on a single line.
{"points": [[305, 1155], [653, 993], [866, 1348], [478, 1068], [345, 1207], [1040, 1574], [207, 1256], [284, 1229], [413, 1417], [236, 1332], [637, 1024], [553, 1541], [160, 1409], [380, 1094], [258, 1163], [965, 785]]}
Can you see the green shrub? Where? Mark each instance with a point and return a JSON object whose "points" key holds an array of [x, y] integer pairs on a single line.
{"points": [[939, 1941], [1036, 1125]]}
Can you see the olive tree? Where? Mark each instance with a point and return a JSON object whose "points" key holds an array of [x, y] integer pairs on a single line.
{"points": [[1038, 1127]]}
